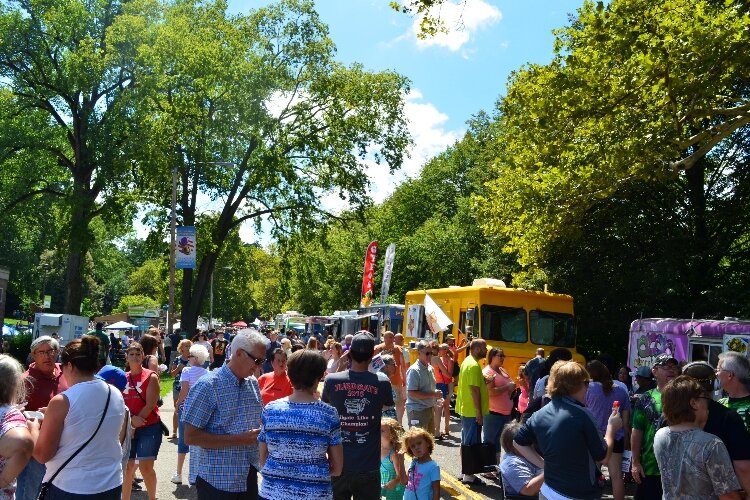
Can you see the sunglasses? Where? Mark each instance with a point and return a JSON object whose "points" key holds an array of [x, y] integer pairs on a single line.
{"points": [[257, 361]]}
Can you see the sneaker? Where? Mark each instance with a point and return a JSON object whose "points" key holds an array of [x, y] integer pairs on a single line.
{"points": [[177, 479], [470, 479], [137, 487]]}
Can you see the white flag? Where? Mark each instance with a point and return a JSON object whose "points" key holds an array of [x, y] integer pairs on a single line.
{"points": [[436, 319]]}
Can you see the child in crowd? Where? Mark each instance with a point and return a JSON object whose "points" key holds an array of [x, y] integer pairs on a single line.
{"points": [[424, 473], [392, 472]]}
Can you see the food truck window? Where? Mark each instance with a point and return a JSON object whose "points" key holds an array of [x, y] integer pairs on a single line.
{"points": [[549, 328], [504, 323], [705, 352]]}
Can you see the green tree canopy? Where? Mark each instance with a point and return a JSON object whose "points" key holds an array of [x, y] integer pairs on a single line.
{"points": [[255, 112], [638, 90]]}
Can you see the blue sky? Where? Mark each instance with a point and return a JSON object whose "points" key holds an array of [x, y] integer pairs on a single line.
{"points": [[452, 76]]}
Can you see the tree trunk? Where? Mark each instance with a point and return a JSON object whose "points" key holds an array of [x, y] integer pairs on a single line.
{"points": [[79, 242]]}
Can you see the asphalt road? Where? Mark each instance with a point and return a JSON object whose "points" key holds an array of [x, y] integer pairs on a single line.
{"points": [[446, 454]]}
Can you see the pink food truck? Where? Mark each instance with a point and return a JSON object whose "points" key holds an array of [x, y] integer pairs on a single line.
{"points": [[685, 339]]}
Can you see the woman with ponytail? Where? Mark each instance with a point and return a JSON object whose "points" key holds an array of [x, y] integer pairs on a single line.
{"points": [[600, 398], [80, 436]]}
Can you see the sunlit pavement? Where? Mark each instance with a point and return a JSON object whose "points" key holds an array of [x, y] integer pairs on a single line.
{"points": [[446, 454]]}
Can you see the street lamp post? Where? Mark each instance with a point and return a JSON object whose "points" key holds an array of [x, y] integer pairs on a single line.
{"points": [[173, 237]]}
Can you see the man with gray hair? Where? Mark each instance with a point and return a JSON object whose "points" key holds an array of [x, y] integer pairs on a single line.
{"points": [[421, 392], [43, 381], [222, 421], [732, 371]]}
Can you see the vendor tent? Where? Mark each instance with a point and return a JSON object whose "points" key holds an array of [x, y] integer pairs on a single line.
{"points": [[120, 325]]}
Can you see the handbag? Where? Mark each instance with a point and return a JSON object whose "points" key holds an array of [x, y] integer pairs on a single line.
{"points": [[164, 428], [45, 485], [476, 458]]}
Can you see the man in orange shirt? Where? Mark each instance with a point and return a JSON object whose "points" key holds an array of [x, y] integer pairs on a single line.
{"points": [[397, 378]]}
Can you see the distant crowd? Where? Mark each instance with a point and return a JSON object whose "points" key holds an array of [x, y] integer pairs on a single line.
{"points": [[264, 415]]}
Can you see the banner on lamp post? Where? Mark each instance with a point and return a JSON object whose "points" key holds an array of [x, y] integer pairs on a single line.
{"points": [[390, 254], [185, 253], [368, 277]]}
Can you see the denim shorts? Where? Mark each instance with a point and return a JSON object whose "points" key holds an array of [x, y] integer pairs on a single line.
{"points": [[443, 388], [146, 442]]}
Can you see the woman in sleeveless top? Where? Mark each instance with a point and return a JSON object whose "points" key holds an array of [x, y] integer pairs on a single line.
{"points": [[71, 418], [141, 396]]}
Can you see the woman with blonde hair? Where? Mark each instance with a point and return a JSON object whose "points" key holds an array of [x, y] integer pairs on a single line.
{"points": [[566, 435], [17, 436], [333, 362]]}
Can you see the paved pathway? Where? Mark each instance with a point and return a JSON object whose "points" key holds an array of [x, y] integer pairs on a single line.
{"points": [[446, 454]]}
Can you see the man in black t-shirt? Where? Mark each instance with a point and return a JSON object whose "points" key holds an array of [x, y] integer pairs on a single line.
{"points": [[360, 397]]}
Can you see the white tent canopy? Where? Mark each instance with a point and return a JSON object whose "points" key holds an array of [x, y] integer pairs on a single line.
{"points": [[120, 325]]}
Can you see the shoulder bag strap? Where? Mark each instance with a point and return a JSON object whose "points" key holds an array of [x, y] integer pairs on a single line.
{"points": [[79, 450], [132, 385]]}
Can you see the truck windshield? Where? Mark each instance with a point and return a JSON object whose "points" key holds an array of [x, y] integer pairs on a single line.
{"points": [[548, 328], [506, 324]]}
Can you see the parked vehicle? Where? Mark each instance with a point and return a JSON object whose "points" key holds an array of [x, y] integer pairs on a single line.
{"points": [[516, 320]]}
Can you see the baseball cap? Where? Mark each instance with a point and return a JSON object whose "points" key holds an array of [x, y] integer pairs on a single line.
{"points": [[114, 376], [663, 359], [643, 371], [363, 343]]}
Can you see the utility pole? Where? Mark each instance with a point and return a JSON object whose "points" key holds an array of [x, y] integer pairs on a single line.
{"points": [[172, 244]]}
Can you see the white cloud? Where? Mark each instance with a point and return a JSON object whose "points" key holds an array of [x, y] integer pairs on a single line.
{"points": [[461, 18], [426, 124], [427, 128]]}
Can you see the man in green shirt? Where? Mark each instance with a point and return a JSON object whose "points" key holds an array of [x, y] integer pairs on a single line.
{"points": [[647, 419], [103, 344], [472, 398], [732, 371]]}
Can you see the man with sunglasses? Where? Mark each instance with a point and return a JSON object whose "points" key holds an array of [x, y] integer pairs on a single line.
{"points": [[647, 419], [421, 391], [222, 421]]}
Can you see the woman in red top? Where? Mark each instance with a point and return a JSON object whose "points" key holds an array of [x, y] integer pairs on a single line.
{"points": [[141, 395]]}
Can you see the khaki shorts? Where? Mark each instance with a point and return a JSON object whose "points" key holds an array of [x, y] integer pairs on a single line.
{"points": [[400, 391], [422, 418]]}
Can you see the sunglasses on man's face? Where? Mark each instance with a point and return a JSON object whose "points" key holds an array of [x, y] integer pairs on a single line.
{"points": [[257, 361]]}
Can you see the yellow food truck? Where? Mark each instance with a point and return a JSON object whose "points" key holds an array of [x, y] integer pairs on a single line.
{"points": [[518, 321]]}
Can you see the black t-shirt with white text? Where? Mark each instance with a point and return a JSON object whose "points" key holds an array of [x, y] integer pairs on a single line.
{"points": [[359, 398]]}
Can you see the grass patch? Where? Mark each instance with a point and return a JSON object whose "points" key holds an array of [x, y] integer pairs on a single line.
{"points": [[165, 384]]}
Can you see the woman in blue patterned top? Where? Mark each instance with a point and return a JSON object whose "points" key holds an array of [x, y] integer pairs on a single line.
{"points": [[300, 438]]}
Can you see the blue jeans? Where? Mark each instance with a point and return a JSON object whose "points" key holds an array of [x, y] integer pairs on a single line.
{"points": [[55, 493], [30, 480], [181, 446], [470, 432], [493, 427]]}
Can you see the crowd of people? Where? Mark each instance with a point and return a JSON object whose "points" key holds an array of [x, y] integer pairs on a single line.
{"points": [[273, 417]]}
